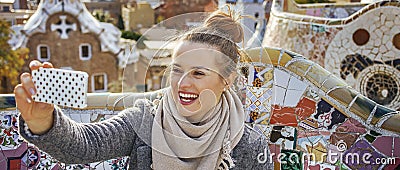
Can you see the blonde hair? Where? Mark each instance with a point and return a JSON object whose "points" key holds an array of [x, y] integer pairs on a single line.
{"points": [[221, 30]]}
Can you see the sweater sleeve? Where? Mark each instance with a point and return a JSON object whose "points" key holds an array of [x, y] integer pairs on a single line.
{"points": [[75, 143]]}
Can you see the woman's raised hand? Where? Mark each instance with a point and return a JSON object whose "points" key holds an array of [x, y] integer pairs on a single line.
{"points": [[38, 115]]}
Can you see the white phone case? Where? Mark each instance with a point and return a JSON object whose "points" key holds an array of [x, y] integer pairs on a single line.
{"points": [[61, 87]]}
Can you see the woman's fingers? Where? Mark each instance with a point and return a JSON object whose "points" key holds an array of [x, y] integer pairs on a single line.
{"points": [[47, 65], [34, 65], [27, 83], [23, 100]]}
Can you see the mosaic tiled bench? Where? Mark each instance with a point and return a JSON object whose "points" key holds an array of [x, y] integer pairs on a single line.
{"points": [[305, 110]]}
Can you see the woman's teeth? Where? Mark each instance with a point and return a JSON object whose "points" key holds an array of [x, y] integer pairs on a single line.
{"points": [[187, 98], [190, 96]]}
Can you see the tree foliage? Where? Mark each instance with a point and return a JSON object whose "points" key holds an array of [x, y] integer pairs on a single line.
{"points": [[11, 61], [102, 16], [131, 35], [120, 23]]}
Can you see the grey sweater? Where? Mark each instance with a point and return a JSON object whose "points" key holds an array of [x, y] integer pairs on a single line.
{"points": [[124, 135]]}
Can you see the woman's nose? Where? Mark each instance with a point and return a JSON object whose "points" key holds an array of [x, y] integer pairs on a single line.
{"points": [[185, 81]]}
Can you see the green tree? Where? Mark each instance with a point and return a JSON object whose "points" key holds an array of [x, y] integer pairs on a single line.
{"points": [[11, 61], [102, 16], [131, 35], [120, 23]]}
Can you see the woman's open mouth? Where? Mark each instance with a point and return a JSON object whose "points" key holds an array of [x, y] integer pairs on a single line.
{"points": [[186, 98]]}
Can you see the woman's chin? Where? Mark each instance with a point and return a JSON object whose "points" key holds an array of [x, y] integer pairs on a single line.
{"points": [[188, 110]]}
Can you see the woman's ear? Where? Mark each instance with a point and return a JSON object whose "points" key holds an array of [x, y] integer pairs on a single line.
{"points": [[231, 79]]}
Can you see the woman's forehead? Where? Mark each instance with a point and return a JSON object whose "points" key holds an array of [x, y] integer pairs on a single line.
{"points": [[187, 46], [190, 54]]}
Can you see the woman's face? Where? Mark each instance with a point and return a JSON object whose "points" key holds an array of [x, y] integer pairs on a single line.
{"points": [[196, 84]]}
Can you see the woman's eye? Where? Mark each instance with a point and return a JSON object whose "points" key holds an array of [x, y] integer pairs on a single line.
{"points": [[199, 73], [176, 70]]}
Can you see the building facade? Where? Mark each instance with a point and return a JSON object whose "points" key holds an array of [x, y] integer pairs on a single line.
{"points": [[138, 15], [67, 35]]}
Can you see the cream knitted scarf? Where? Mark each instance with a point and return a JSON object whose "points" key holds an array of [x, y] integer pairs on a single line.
{"points": [[179, 144]]}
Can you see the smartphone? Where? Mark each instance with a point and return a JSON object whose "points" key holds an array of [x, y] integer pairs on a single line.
{"points": [[61, 87]]}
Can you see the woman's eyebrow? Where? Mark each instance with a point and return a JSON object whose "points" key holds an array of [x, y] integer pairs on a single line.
{"points": [[176, 65], [201, 67]]}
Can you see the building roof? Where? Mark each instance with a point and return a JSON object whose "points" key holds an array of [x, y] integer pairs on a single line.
{"points": [[107, 33], [7, 1]]}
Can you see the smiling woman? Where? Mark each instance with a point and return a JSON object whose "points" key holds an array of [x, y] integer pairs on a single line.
{"points": [[198, 123]]}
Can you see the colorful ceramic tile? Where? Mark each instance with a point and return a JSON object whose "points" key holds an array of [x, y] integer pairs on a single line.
{"points": [[396, 148], [284, 135], [47, 162], [385, 145], [284, 59], [9, 137], [33, 156], [305, 142], [317, 75], [118, 163], [327, 116], [351, 125], [338, 138], [343, 95], [15, 159], [360, 149], [300, 67], [317, 152], [263, 129], [281, 78], [333, 82], [334, 155], [380, 112], [292, 97], [287, 89], [371, 136], [292, 160], [393, 166], [257, 117], [305, 108], [275, 150], [312, 93], [311, 165], [260, 76], [308, 133], [362, 107], [342, 166], [295, 91], [284, 116], [288, 116], [308, 124], [310, 138], [258, 99], [278, 95]]}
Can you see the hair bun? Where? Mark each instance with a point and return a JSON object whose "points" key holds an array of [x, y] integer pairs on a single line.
{"points": [[226, 24]]}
